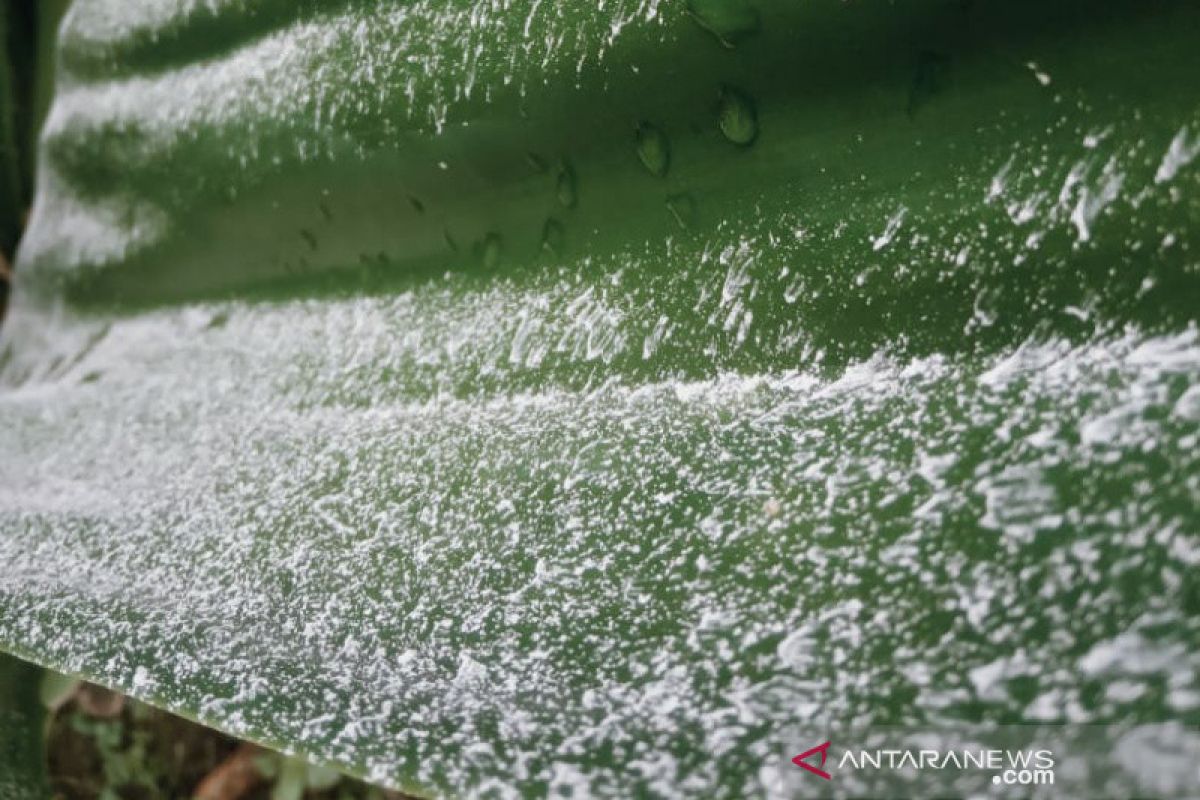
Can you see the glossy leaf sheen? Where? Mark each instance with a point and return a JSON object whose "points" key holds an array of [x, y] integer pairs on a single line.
{"points": [[369, 396]]}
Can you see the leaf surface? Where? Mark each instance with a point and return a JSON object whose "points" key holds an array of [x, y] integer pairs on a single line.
{"points": [[380, 390]]}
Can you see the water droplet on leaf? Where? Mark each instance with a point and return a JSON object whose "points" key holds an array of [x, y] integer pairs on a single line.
{"points": [[490, 249], [737, 117], [729, 20], [683, 209], [653, 149], [566, 189], [553, 235]]}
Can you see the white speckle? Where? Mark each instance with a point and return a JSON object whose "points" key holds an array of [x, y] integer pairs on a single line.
{"points": [[890, 230], [1042, 77], [1182, 150], [1094, 199]]}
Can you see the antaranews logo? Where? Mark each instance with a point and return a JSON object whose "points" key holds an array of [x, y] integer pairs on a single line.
{"points": [[1043, 762], [936, 763], [802, 760]]}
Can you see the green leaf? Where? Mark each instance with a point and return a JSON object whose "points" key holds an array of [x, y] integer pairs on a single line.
{"points": [[22, 763], [55, 689], [321, 778], [291, 781], [267, 765], [377, 392]]}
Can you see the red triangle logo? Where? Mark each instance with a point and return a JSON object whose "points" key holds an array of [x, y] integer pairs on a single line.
{"points": [[800, 760]]}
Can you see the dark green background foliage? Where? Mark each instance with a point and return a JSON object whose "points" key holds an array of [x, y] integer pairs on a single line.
{"points": [[22, 772]]}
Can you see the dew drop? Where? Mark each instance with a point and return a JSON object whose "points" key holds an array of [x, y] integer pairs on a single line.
{"points": [[729, 20], [737, 117], [553, 235], [417, 205], [490, 249], [653, 149], [683, 208], [566, 186]]}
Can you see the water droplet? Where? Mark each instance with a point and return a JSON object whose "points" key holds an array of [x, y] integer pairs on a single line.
{"points": [[489, 250], [729, 20], [566, 186], [737, 117], [683, 209], [653, 149], [553, 235], [417, 204]]}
